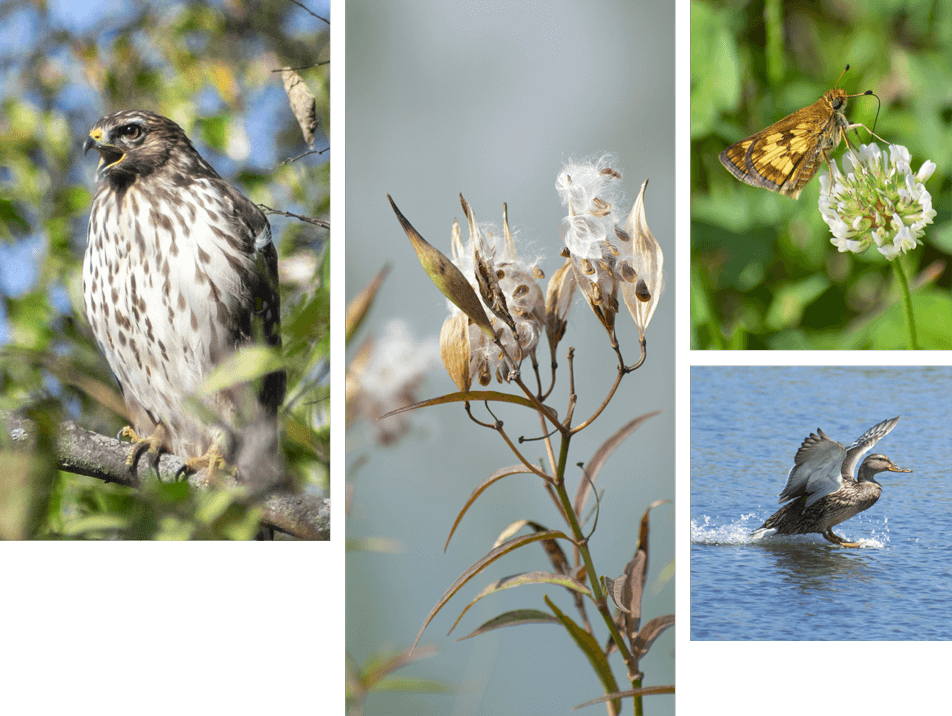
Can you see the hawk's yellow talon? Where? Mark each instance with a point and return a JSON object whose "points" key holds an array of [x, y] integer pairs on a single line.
{"points": [[213, 461], [154, 445]]}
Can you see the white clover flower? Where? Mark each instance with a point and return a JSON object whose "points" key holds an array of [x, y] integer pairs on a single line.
{"points": [[877, 203]]}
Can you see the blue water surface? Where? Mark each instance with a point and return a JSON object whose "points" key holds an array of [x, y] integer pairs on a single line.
{"points": [[746, 426]]}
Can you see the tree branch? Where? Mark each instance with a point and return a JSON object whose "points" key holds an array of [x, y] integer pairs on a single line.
{"points": [[84, 452]]}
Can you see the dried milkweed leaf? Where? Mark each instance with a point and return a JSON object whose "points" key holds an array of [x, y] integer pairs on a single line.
{"points": [[495, 477], [602, 454], [360, 304], [516, 617], [475, 395], [649, 632], [449, 279], [519, 580], [646, 691], [478, 566], [596, 657]]}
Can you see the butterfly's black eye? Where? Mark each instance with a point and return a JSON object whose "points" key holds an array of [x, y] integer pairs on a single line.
{"points": [[837, 103], [130, 131]]}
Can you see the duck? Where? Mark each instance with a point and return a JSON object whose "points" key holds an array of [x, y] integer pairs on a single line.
{"points": [[820, 487]]}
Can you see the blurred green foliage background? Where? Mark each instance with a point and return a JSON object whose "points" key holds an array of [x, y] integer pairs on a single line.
{"points": [[763, 271]]}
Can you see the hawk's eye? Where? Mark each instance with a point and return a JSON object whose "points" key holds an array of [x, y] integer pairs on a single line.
{"points": [[130, 131]]}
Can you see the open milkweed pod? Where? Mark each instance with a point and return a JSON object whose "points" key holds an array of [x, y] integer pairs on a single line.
{"points": [[484, 270], [509, 287], [454, 350], [590, 190], [643, 253], [558, 301]]}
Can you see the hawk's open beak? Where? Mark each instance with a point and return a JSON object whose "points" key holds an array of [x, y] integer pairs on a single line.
{"points": [[108, 154]]}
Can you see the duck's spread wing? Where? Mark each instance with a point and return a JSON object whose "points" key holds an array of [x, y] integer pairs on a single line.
{"points": [[816, 470], [865, 443]]}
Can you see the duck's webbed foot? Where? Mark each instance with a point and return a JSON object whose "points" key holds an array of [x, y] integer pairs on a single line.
{"points": [[837, 540]]}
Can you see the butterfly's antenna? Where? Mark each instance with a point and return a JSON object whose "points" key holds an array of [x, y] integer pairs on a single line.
{"points": [[841, 75]]}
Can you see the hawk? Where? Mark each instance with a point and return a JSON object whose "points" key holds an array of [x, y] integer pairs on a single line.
{"points": [[179, 273]]}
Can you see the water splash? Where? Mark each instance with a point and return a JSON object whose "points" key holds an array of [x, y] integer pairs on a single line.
{"points": [[703, 531]]}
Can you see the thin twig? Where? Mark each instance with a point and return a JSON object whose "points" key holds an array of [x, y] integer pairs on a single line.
{"points": [[323, 223], [312, 13]]}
